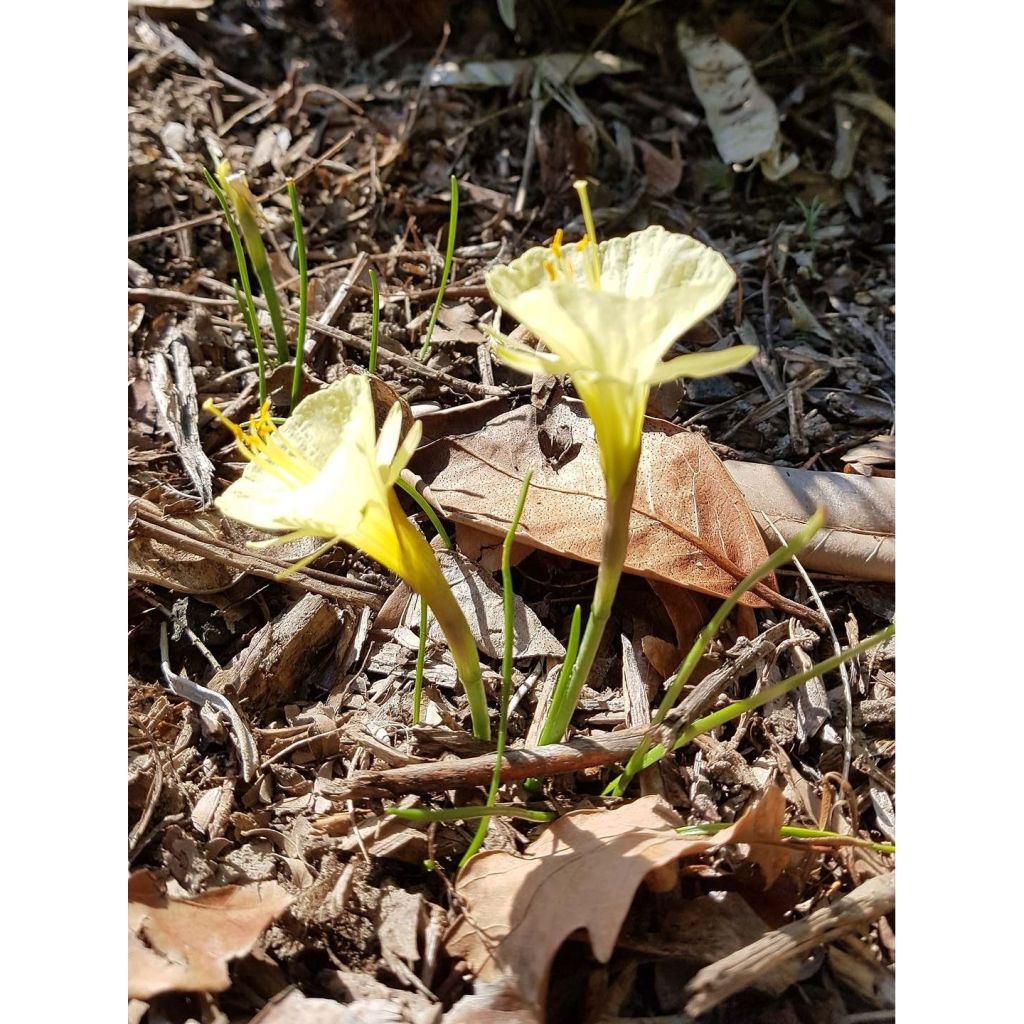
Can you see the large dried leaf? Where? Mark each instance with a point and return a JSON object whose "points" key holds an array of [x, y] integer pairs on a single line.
{"points": [[184, 944], [581, 873], [690, 524], [741, 115], [166, 565], [481, 601]]}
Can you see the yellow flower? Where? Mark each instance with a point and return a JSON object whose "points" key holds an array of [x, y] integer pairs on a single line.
{"points": [[325, 473], [608, 314]]}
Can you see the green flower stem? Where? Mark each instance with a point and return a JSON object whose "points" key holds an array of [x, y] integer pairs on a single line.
{"points": [[471, 813], [613, 557], [453, 223], [300, 334], [433, 588], [509, 608], [765, 696], [708, 633], [421, 657], [374, 318], [246, 215], [421, 650], [249, 307], [571, 650]]}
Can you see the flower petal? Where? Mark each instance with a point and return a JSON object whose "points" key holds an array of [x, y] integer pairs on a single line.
{"points": [[521, 358], [544, 311], [646, 263], [655, 286], [703, 364], [317, 426], [404, 454], [332, 430], [390, 434]]}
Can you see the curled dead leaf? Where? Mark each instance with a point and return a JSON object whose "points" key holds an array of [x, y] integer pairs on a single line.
{"points": [[742, 117], [859, 538], [582, 873]]}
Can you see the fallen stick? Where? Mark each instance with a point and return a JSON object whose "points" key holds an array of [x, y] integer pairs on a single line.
{"points": [[150, 522], [523, 763], [715, 983], [585, 752]]}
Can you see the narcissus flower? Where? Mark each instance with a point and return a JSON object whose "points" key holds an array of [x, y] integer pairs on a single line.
{"points": [[325, 473], [608, 314]]}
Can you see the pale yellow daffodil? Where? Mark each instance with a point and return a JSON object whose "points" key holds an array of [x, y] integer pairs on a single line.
{"points": [[608, 321], [608, 314], [325, 473]]}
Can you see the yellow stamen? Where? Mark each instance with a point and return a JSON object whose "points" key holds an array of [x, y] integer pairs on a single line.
{"points": [[263, 425], [582, 244], [211, 407], [556, 243], [549, 268], [263, 446]]}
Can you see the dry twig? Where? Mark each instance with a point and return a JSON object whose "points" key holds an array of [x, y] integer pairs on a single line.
{"points": [[731, 974]]}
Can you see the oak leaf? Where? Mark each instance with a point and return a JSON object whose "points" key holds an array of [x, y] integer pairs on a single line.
{"points": [[690, 524], [183, 944], [582, 873]]}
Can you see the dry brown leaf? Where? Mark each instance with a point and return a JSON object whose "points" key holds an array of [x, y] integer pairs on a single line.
{"points": [[662, 173], [295, 1008], [491, 1004], [480, 599], [859, 537], [552, 67], [184, 944], [741, 115], [867, 458], [690, 523], [582, 872], [485, 548]]}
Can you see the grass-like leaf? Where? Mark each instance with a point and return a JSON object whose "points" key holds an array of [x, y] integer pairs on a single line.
{"points": [[374, 318], [508, 607], [453, 223], [300, 256], [248, 307]]}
